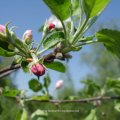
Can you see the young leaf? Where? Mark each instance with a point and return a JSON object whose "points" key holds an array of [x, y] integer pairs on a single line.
{"points": [[92, 115], [47, 81], [22, 115], [61, 8], [24, 66], [52, 39], [84, 39], [6, 53], [91, 87], [12, 39], [117, 107], [39, 115], [39, 98], [10, 92], [113, 85], [35, 85], [75, 7], [94, 7], [57, 66], [4, 45], [110, 39], [19, 45]]}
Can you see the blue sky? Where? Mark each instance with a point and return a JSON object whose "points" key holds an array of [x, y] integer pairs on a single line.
{"points": [[30, 14]]}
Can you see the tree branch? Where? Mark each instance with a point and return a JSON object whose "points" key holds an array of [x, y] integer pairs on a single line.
{"points": [[6, 71], [47, 58], [85, 100]]}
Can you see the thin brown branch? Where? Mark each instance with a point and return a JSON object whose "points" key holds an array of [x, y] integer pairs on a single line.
{"points": [[8, 70], [85, 100], [47, 58], [13, 67]]}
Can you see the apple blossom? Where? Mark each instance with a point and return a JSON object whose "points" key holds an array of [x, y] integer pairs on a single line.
{"points": [[51, 26], [59, 84], [27, 36], [55, 21], [38, 69], [2, 29]]}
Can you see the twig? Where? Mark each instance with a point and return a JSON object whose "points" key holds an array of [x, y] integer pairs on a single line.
{"points": [[6, 71], [13, 67], [47, 58], [85, 100]]}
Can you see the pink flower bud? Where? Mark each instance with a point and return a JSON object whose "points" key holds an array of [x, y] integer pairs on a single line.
{"points": [[59, 84], [2, 29], [51, 26], [27, 36], [38, 69]]}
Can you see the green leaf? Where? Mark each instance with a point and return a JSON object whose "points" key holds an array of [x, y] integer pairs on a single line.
{"points": [[22, 115], [40, 98], [39, 115], [88, 38], [71, 98], [91, 87], [57, 66], [10, 92], [52, 39], [61, 8], [113, 85], [41, 28], [75, 7], [110, 39], [12, 39], [92, 115], [94, 7], [117, 107], [35, 85], [6, 53], [3, 37], [47, 81], [4, 45], [24, 66], [18, 44]]}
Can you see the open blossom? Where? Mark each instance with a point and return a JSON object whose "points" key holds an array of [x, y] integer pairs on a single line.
{"points": [[59, 84], [2, 29], [27, 36], [38, 69]]}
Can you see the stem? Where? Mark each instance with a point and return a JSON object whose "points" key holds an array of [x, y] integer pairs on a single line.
{"points": [[88, 42], [85, 100], [42, 51], [19, 48], [6, 71], [18, 53], [79, 31], [39, 45], [64, 30]]}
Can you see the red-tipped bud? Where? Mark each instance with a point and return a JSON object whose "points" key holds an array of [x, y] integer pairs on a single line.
{"points": [[51, 26], [38, 69], [2, 29], [27, 36], [59, 84]]}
